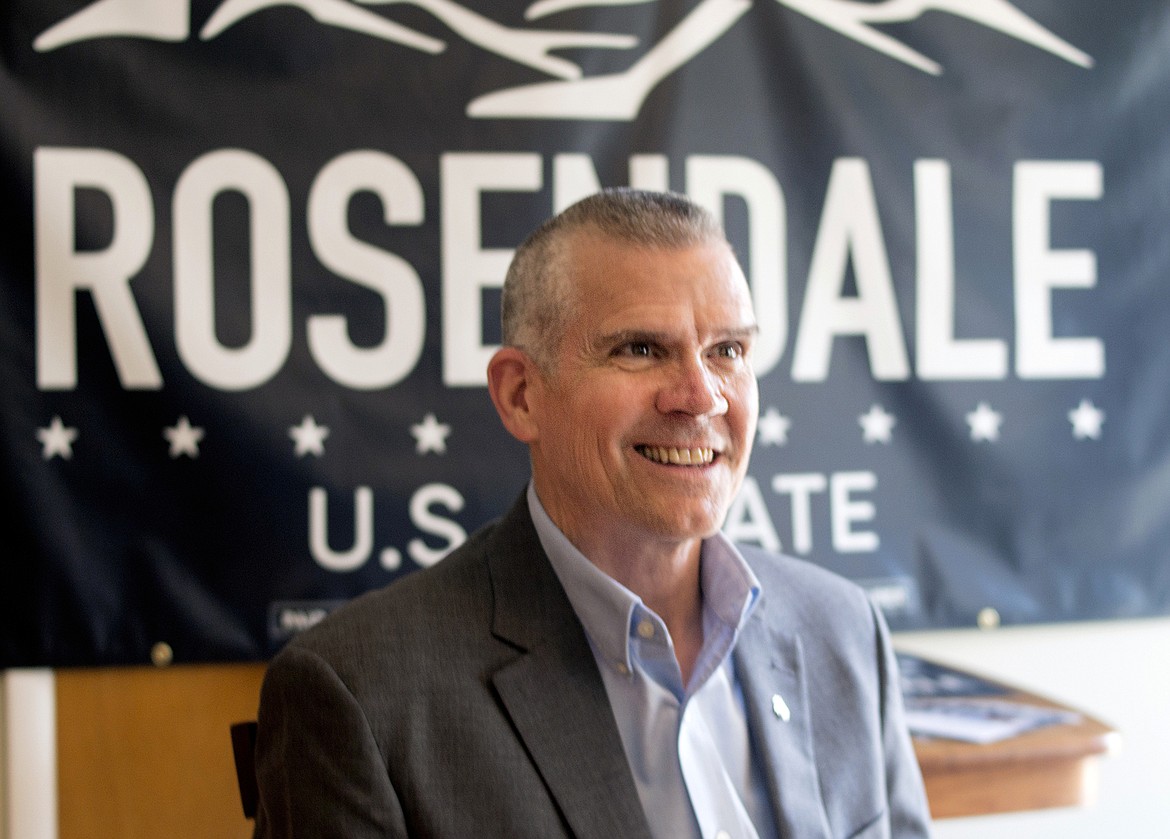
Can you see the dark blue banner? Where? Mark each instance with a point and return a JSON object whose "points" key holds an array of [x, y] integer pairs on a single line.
{"points": [[252, 253]]}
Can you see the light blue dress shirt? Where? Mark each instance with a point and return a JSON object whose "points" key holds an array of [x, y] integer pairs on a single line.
{"points": [[687, 745]]}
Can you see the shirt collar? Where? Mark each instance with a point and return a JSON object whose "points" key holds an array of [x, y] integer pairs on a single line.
{"points": [[607, 609]]}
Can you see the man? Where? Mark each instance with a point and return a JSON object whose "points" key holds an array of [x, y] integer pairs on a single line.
{"points": [[602, 662]]}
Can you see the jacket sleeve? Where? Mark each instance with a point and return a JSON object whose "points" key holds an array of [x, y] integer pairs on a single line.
{"points": [[909, 810], [319, 770]]}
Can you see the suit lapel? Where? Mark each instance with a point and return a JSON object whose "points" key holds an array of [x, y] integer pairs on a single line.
{"points": [[553, 692], [770, 667]]}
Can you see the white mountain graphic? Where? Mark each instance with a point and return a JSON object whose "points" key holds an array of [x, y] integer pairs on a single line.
{"points": [[569, 95]]}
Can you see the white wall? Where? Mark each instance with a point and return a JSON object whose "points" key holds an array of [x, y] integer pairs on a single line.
{"points": [[28, 755], [1118, 672], [3, 756]]}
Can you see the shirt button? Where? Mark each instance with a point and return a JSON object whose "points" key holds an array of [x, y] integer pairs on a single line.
{"points": [[646, 629], [622, 668], [723, 834]]}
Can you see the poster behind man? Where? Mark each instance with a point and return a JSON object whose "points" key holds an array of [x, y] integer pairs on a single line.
{"points": [[252, 254]]}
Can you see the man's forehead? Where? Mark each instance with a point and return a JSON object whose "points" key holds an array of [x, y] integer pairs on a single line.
{"points": [[667, 320]]}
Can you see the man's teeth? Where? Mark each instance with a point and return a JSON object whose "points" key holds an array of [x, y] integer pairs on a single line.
{"points": [[678, 457]]}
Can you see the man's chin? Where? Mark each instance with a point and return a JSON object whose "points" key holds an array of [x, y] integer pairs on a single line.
{"points": [[683, 525]]}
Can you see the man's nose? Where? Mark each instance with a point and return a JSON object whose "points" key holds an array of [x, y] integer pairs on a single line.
{"points": [[692, 388]]}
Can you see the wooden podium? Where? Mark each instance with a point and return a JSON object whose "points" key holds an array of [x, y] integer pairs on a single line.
{"points": [[1055, 766]]}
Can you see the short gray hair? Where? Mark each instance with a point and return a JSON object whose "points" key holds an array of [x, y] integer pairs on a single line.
{"points": [[538, 304]]}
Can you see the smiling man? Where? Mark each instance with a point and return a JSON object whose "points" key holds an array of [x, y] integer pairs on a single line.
{"points": [[603, 662]]}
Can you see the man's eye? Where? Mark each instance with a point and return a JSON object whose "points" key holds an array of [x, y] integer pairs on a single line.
{"points": [[637, 349], [732, 351]]}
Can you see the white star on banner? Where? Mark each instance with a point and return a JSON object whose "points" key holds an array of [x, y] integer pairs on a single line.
{"points": [[1086, 420], [308, 437], [430, 435], [56, 440], [773, 428], [184, 438], [877, 425], [984, 423]]}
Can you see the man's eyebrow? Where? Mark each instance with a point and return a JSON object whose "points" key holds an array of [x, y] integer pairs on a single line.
{"points": [[736, 333], [654, 336], [633, 336], [750, 331]]}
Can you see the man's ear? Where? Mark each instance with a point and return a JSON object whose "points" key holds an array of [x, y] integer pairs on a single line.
{"points": [[511, 377]]}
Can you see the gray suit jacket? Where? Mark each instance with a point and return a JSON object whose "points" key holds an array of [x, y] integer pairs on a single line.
{"points": [[464, 701]]}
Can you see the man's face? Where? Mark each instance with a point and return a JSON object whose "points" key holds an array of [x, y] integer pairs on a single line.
{"points": [[646, 420]]}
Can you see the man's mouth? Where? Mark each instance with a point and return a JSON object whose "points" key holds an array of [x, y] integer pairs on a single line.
{"points": [[677, 457]]}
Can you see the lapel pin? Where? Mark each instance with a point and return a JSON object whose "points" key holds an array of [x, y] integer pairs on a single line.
{"points": [[780, 707]]}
